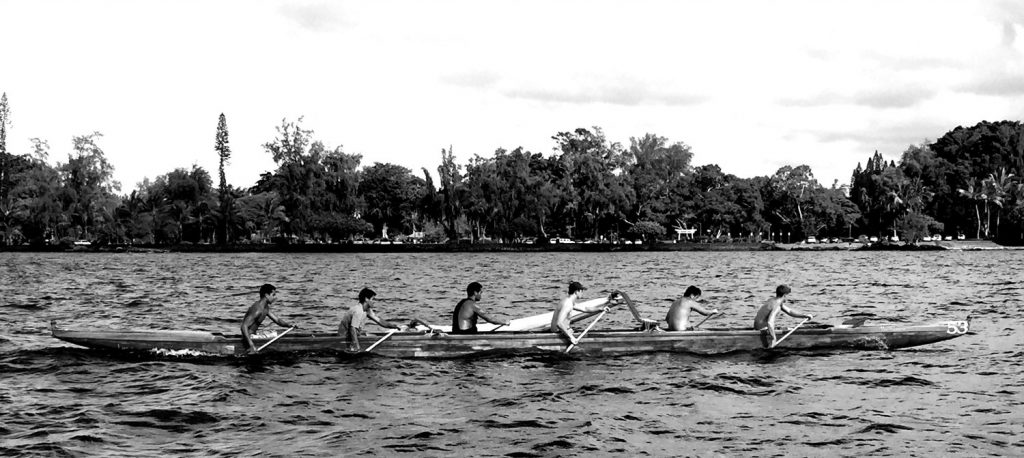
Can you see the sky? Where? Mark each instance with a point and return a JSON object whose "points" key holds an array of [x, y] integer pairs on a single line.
{"points": [[749, 85]]}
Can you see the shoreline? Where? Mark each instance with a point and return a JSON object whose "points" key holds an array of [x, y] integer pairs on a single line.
{"points": [[969, 245]]}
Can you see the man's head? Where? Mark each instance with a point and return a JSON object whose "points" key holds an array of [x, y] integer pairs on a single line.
{"points": [[267, 290], [366, 294], [575, 287], [474, 289], [692, 291], [782, 290]]}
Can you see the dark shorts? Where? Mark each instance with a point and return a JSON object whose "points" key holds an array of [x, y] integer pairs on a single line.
{"points": [[766, 338]]}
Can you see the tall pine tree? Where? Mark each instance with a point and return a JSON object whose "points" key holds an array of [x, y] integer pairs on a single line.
{"points": [[224, 151], [5, 167], [4, 162]]}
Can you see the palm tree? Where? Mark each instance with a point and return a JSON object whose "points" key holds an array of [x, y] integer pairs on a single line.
{"points": [[998, 189], [976, 194], [910, 195]]}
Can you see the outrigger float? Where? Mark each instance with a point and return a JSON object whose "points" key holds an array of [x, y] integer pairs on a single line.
{"points": [[436, 343]]}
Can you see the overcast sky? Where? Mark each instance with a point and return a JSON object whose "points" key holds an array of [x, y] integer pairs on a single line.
{"points": [[749, 85]]}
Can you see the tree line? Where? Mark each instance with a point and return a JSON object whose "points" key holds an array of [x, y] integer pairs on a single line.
{"points": [[588, 188]]}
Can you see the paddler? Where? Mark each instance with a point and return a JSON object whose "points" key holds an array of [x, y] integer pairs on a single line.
{"points": [[679, 313], [258, 311], [560, 319], [764, 321], [467, 311], [355, 317]]}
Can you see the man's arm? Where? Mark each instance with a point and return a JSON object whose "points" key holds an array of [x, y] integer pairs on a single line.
{"points": [[701, 310], [278, 320], [597, 307], [561, 323], [353, 338], [372, 315], [794, 313], [487, 318], [247, 322], [567, 331]]}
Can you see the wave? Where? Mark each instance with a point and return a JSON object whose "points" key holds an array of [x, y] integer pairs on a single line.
{"points": [[36, 449], [883, 427], [550, 424], [31, 307]]}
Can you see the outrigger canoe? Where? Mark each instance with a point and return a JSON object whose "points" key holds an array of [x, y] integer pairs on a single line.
{"points": [[435, 344]]}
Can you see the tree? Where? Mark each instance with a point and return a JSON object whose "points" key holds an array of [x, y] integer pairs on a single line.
{"points": [[790, 191], [648, 230], [594, 197], [483, 192], [431, 205], [5, 122], [342, 181], [997, 188], [88, 183], [975, 194], [968, 156], [451, 193], [908, 198], [6, 203], [182, 200], [300, 176], [654, 168], [392, 195], [33, 209], [224, 152], [264, 214]]}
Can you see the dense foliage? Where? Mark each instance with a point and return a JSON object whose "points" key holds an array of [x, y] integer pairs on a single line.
{"points": [[587, 188]]}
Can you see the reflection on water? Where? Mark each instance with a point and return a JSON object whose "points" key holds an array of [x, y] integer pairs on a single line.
{"points": [[962, 397]]}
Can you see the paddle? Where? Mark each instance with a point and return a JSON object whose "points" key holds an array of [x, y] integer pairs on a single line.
{"points": [[705, 319], [371, 347], [286, 331], [592, 323], [497, 328], [777, 342]]}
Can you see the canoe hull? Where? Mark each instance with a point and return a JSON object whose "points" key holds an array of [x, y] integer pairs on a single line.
{"points": [[439, 345]]}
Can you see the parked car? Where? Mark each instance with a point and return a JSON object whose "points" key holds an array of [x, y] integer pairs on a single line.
{"points": [[926, 238], [834, 240], [873, 239], [960, 237], [948, 237], [812, 239]]}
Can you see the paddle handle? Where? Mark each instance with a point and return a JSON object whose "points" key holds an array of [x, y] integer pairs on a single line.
{"points": [[705, 319], [585, 331], [382, 339], [286, 331], [777, 342]]}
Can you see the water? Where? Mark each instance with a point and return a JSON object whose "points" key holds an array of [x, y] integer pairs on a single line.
{"points": [[962, 397]]}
